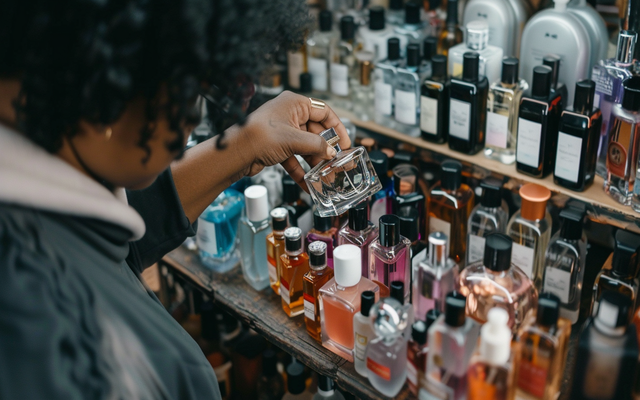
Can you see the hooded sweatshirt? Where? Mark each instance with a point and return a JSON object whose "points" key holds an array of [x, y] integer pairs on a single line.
{"points": [[76, 321]]}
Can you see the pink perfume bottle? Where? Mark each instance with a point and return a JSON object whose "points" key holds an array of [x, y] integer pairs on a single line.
{"points": [[359, 232], [390, 255], [340, 300]]}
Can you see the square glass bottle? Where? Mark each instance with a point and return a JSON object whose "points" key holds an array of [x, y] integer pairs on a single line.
{"points": [[295, 263], [318, 275], [491, 215], [408, 81], [254, 229], [324, 231], [360, 232], [275, 246], [434, 103], [319, 47], [477, 40], [383, 83]]}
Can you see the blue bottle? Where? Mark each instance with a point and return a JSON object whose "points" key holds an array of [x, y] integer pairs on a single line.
{"points": [[254, 229]]}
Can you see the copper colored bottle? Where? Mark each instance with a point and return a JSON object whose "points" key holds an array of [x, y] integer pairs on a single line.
{"points": [[295, 263]]}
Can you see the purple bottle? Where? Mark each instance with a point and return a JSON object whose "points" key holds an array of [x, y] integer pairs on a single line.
{"points": [[390, 255], [359, 232]]}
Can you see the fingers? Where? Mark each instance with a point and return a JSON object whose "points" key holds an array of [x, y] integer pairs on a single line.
{"points": [[305, 143], [295, 171], [327, 118]]}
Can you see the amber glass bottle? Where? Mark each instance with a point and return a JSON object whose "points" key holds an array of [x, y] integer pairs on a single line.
{"points": [[275, 246], [319, 274], [451, 34], [295, 263]]}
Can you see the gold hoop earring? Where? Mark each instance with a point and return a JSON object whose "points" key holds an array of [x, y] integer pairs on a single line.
{"points": [[107, 134]]}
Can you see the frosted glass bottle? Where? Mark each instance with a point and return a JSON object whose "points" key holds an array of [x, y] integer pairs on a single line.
{"points": [[477, 40], [383, 83], [375, 35], [408, 82], [319, 47], [491, 215], [254, 229]]}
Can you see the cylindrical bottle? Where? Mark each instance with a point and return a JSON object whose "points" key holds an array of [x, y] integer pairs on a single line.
{"points": [[363, 331]]}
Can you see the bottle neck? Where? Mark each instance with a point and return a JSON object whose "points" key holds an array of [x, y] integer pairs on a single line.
{"points": [[294, 253]]}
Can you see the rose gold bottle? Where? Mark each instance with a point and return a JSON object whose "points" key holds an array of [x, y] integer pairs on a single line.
{"points": [[318, 275]]}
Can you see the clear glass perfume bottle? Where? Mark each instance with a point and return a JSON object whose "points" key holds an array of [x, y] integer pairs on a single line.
{"points": [[491, 215], [503, 106], [491, 371], [359, 232], [254, 229], [389, 255], [363, 332], [408, 82], [417, 356], [300, 213], [386, 354], [564, 263], [362, 92], [346, 180], [319, 47], [323, 231], [374, 36], [434, 103], [450, 205], [408, 193], [530, 229], [295, 263], [477, 40], [494, 281], [218, 231], [544, 342], [318, 275], [435, 277], [451, 33], [344, 65], [413, 29], [275, 246], [384, 81]]}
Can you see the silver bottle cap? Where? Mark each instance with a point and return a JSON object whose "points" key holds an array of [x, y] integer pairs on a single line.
{"points": [[331, 136], [389, 318], [477, 35], [438, 249], [626, 46], [317, 254]]}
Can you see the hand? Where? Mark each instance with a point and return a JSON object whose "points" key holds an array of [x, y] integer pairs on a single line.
{"points": [[284, 127]]}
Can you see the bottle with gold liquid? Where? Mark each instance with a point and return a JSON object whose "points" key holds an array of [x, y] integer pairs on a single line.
{"points": [[319, 274], [275, 246], [451, 33], [295, 263]]}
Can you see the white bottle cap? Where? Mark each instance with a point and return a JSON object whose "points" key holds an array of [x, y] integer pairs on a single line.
{"points": [[477, 35], [347, 260], [560, 5], [495, 338], [256, 203]]}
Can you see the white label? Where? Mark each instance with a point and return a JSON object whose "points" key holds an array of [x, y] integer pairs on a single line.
{"points": [[459, 115], [528, 146], [361, 342], [340, 79], [309, 310], [522, 257], [406, 107], [438, 225], [284, 292], [295, 61], [475, 249], [497, 130], [206, 237], [568, 157], [383, 98], [412, 373], [429, 115], [318, 71], [557, 281], [273, 273]]}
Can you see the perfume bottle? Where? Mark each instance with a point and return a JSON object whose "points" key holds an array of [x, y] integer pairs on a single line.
{"points": [[491, 372], [530, 229], [410, 228], [381, 201], [544, 341], [362, 92], [434, 103], [374, 36], [477, 40], [300, 213], [408, 193], [491, 215], [395, 15], [319, 47], [607, 353], [296, 65], [318, 275], [552, 61], [452, 339], [386, 362], [538, 126], [384, 81], [451, 34], [323, 231], [500, 16], [397, 291], [217, 231], [578, 133], [327, 390], [359, 232], [494, 281], [608, 75], [296, 383], [254, 229], [389, 255], [624, 142], [271, 384], [295, 263], [340, 300], [417, 356], [363, 331], [503, 106], [344, 68], [413, 29], [346, 180], [275, 246], [409, 78], [468, 107], [450, 205]]}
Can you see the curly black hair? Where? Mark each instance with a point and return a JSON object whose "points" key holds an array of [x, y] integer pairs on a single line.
{"points": [[85, 60]]}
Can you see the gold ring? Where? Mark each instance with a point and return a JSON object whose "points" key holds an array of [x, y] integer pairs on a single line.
{"points": [[315, 103]]}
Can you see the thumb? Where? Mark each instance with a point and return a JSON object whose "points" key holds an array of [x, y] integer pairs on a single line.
{"points": [[305, 143]]}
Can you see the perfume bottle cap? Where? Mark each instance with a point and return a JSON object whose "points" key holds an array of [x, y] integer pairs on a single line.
{"points": [[412, 13], [279, 219], [295, 378], [359, 217], [451, 176], [318, 254], [548, 309], [439, 66], [293, 239], [454, 309], [393, 49], [405, 179], [256, 203], [367, 300], [429, 48], [325, 384], [497, 252], [541, 86], [305, 83], [470, 66], [631, 96], [431, 317], [389, 230], [477, 35], [380, 162], [534, 201], [419, 332], [552, 62], [438, 249], [269, 362], [452, 12], [320, 223], [572, 223], [396, 5], [510, 67], [290, 190], [613, 311], [584, 95], [625, 254], [495, 338], [413, 55], [347, 28], [389, 318], [325, 20], [397, 291], [626, 46], [376, 18], [491, 192], [409, 223], [347, 260], [332, 138]]}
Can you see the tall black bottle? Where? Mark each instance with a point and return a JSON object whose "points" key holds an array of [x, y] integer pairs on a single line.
{"points": [[434, 102]]}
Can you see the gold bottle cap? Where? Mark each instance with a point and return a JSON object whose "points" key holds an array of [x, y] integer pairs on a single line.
{"points": [[534, 201]]}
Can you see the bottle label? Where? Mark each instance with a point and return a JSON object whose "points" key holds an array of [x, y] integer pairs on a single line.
{"points": [[617, 159], [360, 346], [318, 70], [284, 291], [528, 144], [438, 225], [412, 373], [383, 102], [295, 63], [475, 249], [532, 378], [309, 307], [273, 273], [459, 119], [497, 130], [557, 281], [206, 237], [522, 257], [406, 107], [568, 157], [378, 369], [339, 79], [428, 115]]}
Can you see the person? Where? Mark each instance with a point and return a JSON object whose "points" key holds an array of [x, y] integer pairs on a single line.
{"points": [[97, 98]]}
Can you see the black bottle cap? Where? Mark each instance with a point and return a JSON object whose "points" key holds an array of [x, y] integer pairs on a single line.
{"points": [[325, 383], [430, 48], [279, 219], [347, 27], [454, 309], [470, 66], [625, 253], [491, 192], [358, 217], [419, 332], [631, 96], [431, 317], [389, 232], [412, 13], [572, 223], [269, 362], [452, 12], [510, 66], [321, 223], [409, 222], [397, 291], [376, 18], [583, 100], [317, 253], [541, 86], [367, 299], [552, 62], [617, 301], [293, 239], [290, 190], [396, 5], [380, 163], [295, 378], [548, 309], [413, 55], [305, 82], [451, 176], [325, 19], [393, 49], [439, 66], [497, 252]]}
